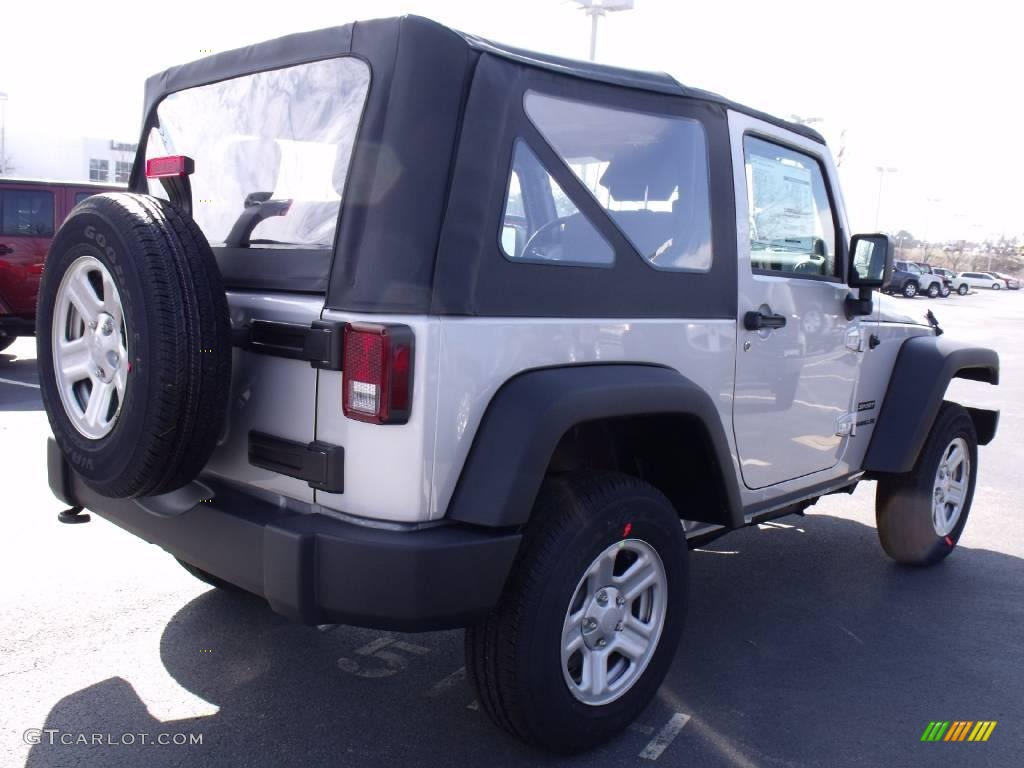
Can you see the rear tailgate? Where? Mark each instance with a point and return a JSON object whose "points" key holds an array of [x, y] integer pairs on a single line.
{"points": [[271, 152]]}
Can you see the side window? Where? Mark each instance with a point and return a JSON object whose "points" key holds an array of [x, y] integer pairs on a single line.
{"points": [[26, 212], [541, 224], [792, 230], [648, 171]]}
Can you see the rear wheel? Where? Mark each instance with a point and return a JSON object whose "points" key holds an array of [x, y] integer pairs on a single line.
{"points": [[588, 624], [921, 514], [963, 289], [910, 289], [945, 291], [996, 286], [933, 291]]}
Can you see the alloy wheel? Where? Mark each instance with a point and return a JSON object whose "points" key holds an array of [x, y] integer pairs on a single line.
{"points": [[614, 622], [90, 347]]}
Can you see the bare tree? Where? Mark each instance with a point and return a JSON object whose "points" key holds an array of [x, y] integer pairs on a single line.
{"points": [[956, 258]]}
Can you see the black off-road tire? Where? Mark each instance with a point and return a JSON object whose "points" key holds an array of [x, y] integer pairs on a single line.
{"points": [[903, 503], [909, 289], [513, 658], [179, 346]]}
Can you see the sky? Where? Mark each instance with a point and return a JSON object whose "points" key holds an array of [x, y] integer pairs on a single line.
{"points": [[932, 90]]}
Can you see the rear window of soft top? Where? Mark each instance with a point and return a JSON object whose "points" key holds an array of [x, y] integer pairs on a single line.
{"points": [[271, 151]]}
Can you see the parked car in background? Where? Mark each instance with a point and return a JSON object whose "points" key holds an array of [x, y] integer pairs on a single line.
{"points": [[1012, 283], [908, 279], [30, 212], [950, 276], [947, 284], [980, 280]]}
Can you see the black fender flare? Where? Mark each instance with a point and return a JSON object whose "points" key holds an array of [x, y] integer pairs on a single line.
{"points": [[924, 367], [531, 412]]}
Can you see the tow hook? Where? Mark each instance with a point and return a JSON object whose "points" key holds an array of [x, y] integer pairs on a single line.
{"points": [[73, 515]]}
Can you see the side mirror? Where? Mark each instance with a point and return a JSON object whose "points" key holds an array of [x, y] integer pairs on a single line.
{"points": [[870, 267], [870, 261]]}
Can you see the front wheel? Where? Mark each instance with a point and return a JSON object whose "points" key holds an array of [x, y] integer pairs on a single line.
{"points": [[933, 291], [963, 289], [945, 291], [995, 286], [590, 619], [910, 289], [921, 514]]}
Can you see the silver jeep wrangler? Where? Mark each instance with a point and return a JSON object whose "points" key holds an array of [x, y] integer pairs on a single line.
{"points": [[402, 328]]}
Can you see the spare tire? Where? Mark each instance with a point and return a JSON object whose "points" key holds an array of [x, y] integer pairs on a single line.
{"points": [[133, 344]]}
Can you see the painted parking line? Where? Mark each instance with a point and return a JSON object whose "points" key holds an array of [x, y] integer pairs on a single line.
{"points": [[644, 730], [665, 736], [448, 682], [385, 661], [19, 383]]}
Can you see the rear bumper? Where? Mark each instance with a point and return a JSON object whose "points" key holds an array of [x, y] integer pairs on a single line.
{"points": [[310, 567]]}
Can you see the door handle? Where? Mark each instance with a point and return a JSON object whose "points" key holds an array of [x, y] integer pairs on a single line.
{"points": [[5, 249], [755, 320]]}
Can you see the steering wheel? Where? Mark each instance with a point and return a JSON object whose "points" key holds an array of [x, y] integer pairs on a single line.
{"points": [[544, 241], [810, 266]]}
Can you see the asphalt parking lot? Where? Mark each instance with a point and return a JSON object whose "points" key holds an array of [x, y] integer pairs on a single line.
{"points": [[805, 646]]}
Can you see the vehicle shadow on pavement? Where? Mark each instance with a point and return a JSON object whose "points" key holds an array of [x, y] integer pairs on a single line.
{"points": [[804, 646]]}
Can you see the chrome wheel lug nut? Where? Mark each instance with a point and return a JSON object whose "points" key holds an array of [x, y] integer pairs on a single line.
{"points": [[619, 627], [602, 643], [620, 601], [602, 597], [589, 625]]}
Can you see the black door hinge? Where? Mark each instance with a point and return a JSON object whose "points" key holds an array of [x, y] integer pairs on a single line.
{"points": [[318, 343], [320, 464]]}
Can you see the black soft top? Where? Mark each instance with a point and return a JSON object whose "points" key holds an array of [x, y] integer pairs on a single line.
{"points": [[433, 152], [336, 41]]}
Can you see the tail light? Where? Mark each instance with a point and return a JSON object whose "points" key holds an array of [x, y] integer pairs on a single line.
{"points": [[377, 366]]}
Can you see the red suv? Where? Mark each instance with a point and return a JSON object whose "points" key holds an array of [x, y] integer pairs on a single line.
{"points": [[30, 212]]}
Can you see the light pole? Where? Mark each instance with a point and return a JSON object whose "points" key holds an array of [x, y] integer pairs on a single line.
{"points": [[928, 223], [597, 8], [3, 134], [881, 176]]}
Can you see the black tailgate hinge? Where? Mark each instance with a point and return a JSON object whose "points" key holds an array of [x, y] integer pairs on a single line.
{"points": [[318, 343], [320, 464]]}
